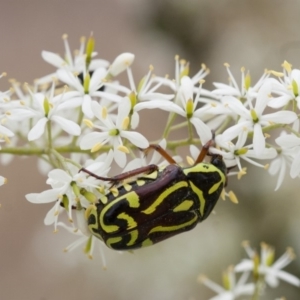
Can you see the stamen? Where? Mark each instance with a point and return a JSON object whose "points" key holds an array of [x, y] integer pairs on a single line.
{"points": [[287, 66], [96, 147], [104, 112], [122, 148], [233, 197], [88, 123], [190, 161]]}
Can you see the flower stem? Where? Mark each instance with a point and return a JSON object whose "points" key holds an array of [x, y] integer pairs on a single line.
{"points": [[259, 287], [171, 119]]}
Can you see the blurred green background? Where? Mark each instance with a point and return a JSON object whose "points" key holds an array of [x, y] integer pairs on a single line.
{"points": [[254, 34]]}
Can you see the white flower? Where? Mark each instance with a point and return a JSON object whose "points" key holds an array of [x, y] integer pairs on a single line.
{"points": [[121, 63], [5, 132], [3, 180], [100, 167], [45, 109], [112, 132], [231, 289], [241, 92], [182, 68], [233, 153], [187, 109], [266, 266], [286, 87], [85, 238], [254, 120], [146, 91], [61, 188], [290, 155], [5, 97], [76, 64], [83, 91], [65, 187]]}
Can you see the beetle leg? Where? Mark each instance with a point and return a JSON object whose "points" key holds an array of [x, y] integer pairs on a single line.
{"points": [[142, 170], [116, 179], [161, 151], [205, 149]]}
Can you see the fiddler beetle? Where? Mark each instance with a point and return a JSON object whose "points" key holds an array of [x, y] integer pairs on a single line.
{"points": [[159, 203]]}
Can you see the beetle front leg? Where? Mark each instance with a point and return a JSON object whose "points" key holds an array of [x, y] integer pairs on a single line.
{"points": [[162, 152], [204, 150], [116, 179]]}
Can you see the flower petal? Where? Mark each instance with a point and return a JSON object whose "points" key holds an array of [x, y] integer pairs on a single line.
{"points": [[202, 129], [37, 130], [53, 59], [92, 138], [284, 117], [135, 138], [259, 142], [67, 125]]}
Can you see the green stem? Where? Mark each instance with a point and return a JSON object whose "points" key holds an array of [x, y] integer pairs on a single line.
{"points": [[40, 151], [172, 145], [49, 131], [79, 121], [259, 287], [190, 129], [171, 119], [223, 126], [75, 149], [49, 134], [178, 126], [60, 160], [275, 126]]}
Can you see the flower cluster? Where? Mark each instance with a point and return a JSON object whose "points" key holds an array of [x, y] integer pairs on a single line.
{"points": [[82, 116], [264, 270]]}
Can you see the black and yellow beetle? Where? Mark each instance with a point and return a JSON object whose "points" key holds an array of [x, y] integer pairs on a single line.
{"points": [[159, 203]]}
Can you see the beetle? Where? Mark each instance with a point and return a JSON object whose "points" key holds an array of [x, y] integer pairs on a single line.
{"points": [[159, 203]]}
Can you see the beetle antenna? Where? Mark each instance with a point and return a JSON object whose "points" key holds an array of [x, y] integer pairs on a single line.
{"points": [[205, 149]]}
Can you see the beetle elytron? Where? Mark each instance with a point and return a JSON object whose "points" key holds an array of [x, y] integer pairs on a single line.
{"points": [[159, 204]]}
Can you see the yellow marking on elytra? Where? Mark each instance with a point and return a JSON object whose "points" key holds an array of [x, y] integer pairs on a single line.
{"points": [[147, 243], [184, 206], [133, 237], [207, 168], [93, 211], [131, 223], [133, 201], [113, 240], [163, 196], [215, 187], [175, 227], [199, 194]]}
